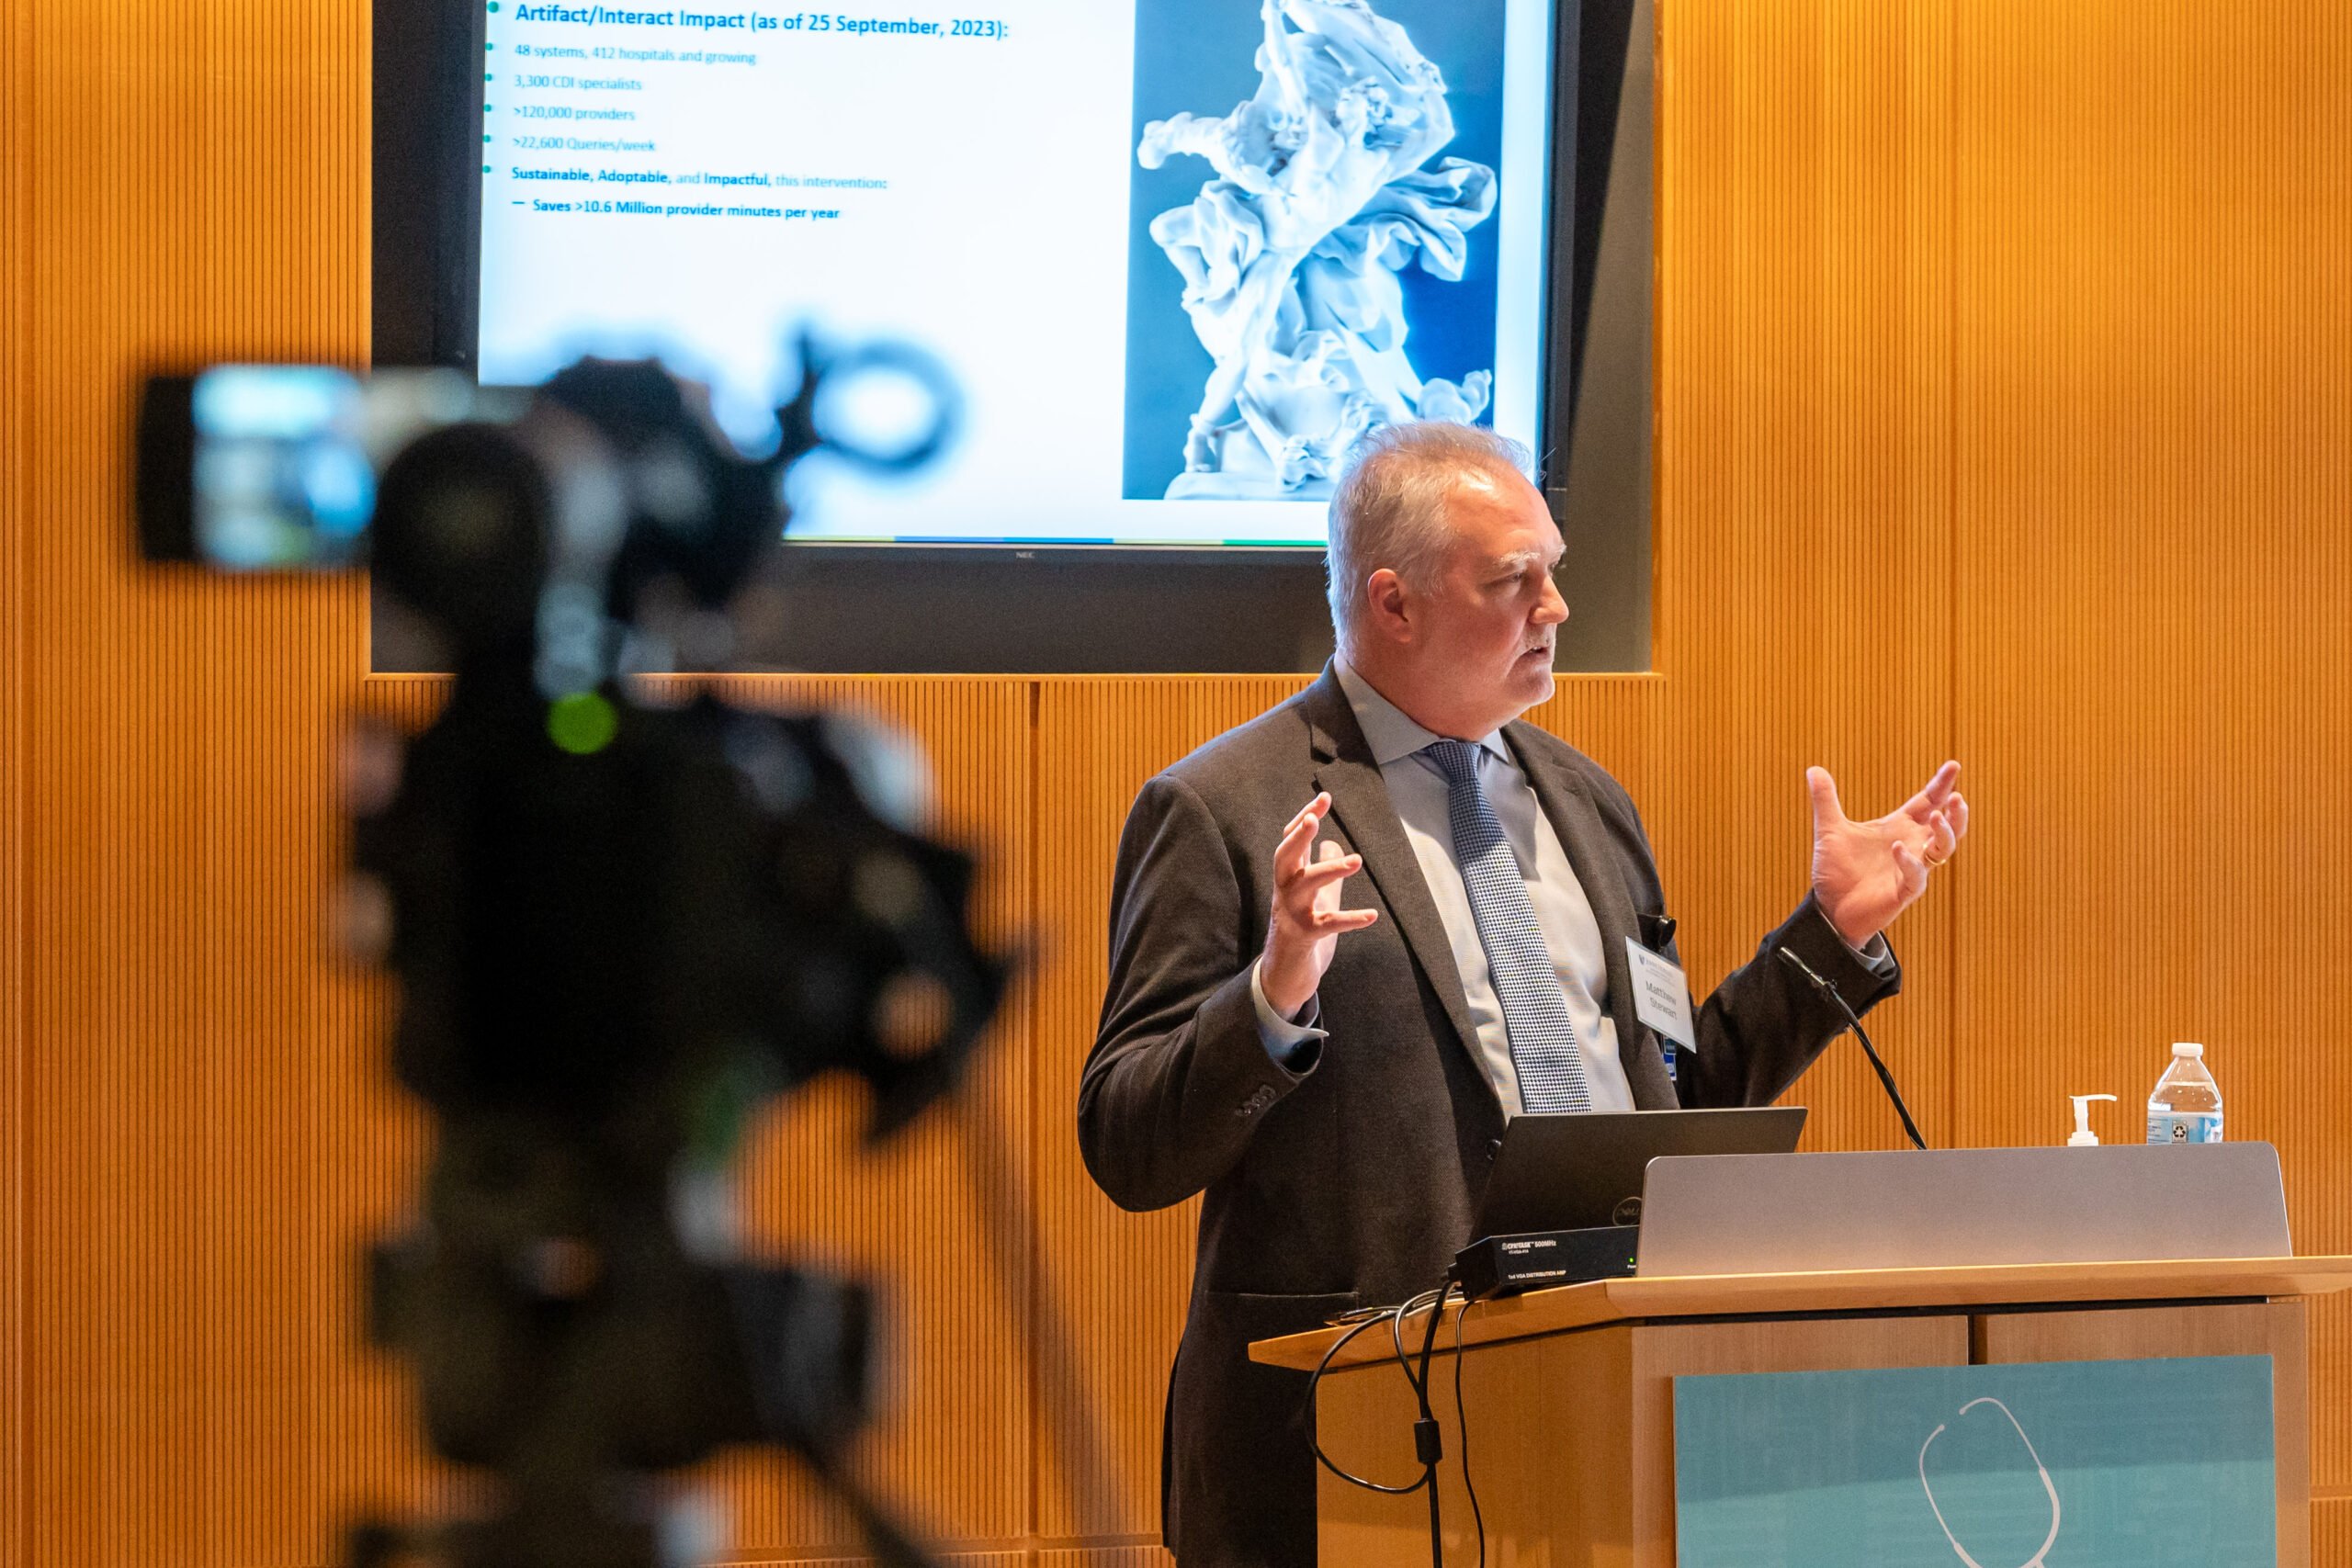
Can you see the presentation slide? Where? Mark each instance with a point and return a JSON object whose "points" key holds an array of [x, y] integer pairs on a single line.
{"points": [[1178, 254]]}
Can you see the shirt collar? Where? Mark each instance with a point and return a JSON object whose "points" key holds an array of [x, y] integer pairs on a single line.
{"points": [[1390, 732]]}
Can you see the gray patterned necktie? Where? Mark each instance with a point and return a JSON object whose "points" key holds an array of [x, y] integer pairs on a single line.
{"points": [[1543, 1048]]}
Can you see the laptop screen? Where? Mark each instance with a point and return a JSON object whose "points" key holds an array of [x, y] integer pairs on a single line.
{"points": [[1568, 1172]]}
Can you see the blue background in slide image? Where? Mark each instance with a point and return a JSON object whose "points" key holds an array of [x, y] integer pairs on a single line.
{"points": [[1198, 55], [2156, 1464]]}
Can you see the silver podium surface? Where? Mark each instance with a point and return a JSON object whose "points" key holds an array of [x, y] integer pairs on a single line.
{"points": [[1910, 1209]]}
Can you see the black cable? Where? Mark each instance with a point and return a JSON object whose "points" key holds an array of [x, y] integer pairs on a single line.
{"points": [[1396, 1316], [1427, 1443], [1910, 1128], [1853, 1020], [1428, 1446], [1314, 1433], [1462, 1433]]}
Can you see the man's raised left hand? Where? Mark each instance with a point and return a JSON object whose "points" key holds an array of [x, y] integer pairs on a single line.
{"points": [[1865, 873]]}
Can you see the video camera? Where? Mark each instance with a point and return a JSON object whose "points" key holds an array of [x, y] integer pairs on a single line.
{"points": [[622, 914]]}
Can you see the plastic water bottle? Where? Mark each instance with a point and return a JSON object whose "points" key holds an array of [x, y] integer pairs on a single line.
{"points": [[2185, 1106]]}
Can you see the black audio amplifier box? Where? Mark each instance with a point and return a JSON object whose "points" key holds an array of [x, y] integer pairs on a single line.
{"points": [[1506, 1265]]}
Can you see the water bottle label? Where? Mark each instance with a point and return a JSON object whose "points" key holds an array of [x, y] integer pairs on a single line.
{"points": [[1673, 1061], [2184, 1127]]}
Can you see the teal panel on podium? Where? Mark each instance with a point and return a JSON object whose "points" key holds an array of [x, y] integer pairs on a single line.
{"points": [[2061, 1464]]}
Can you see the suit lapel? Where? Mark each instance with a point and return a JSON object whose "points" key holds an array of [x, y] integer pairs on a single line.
{"points": [[1344, 769], [1570, 806]]}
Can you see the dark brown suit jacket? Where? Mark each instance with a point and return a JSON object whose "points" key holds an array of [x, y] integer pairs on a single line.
{"points": [[1353, 1181]]}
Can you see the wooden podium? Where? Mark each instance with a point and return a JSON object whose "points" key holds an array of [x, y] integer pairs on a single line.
{"points": [[1569, 1391]]}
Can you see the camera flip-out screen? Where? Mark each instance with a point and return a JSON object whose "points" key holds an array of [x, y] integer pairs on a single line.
{"points": [[273, 468], [1177, 255]]}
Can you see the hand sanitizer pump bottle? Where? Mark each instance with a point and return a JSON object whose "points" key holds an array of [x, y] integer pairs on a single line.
{"points": [[2185, 1107], [2083, 1137]]}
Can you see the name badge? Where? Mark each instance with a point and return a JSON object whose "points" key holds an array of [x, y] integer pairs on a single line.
{"points": [[1661, 996]]}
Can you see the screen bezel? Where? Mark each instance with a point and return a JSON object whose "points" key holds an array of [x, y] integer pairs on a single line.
{"points": [[1027, 607]]}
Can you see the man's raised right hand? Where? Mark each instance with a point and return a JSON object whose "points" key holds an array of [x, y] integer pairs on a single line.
{"points": [[1307, 921]]}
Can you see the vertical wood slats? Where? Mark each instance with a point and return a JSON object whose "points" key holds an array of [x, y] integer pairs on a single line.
{"points": [[2332, 1532], [2002, 412], [2154, 388], [189, 181], [15, 264], [1804, 354]]}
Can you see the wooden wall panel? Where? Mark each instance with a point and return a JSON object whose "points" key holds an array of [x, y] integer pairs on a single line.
{"points": [[1106, 1557], [189, 181], [372, 1143], [16, 263], [2332, 1532], [1804, 468], [2156, 383]]}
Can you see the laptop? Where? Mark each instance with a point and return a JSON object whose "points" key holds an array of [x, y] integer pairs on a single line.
{"points": [[1585, 1169]]}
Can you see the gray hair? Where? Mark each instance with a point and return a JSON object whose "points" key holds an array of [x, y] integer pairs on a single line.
{"points": [[1389, 508]]}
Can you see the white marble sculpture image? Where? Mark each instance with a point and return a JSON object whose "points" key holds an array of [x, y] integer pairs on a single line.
{"points": [[1324, 193]]}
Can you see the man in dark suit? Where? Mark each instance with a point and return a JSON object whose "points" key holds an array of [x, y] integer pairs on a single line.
{"points": [[1335, 1073]]}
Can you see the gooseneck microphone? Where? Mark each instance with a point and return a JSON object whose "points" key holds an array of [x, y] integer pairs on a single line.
{"points": [[1821, 983]]}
